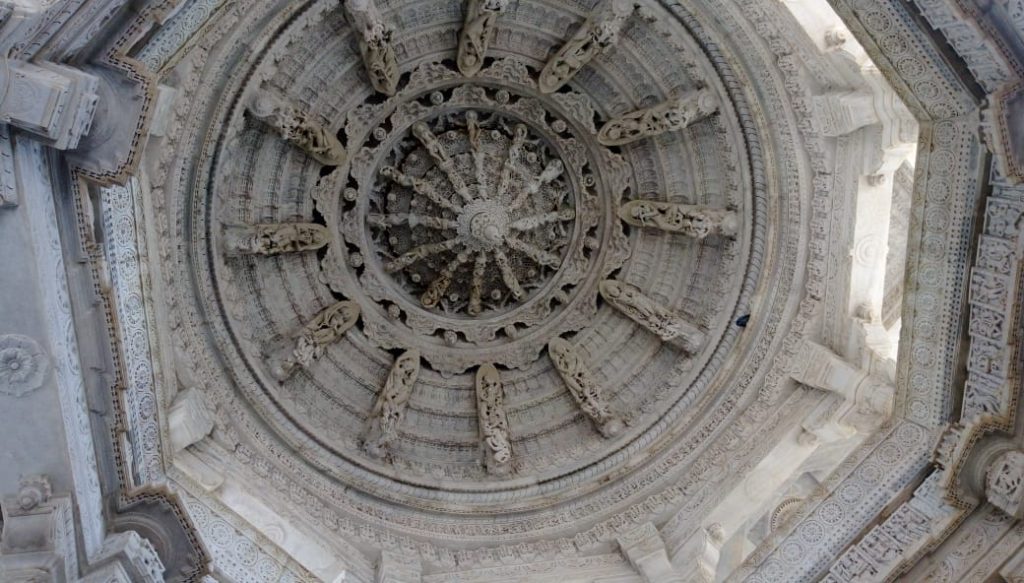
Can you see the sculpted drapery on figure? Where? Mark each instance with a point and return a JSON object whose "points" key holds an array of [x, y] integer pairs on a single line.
{"points": [[274, 238], [375, 44], [583, 388], [490, 402], [599, 33], [296, 128], [388, 411], [667, 116], [477, 32], [643, 310], [326, 328], [690, 220]]}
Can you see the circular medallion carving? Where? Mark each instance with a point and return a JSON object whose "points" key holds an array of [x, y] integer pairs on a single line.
{"points": [[23, 365]]}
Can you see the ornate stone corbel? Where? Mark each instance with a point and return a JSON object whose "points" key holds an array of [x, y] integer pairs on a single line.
{"points": [[690, 220], [668, 116], [296, 128], [375, 44], [387, 414], [274, 238], [584, 390], [490, 403], [326, 328], [629, 300], [598, 34], [645, 549], [54, 103], [477, 32]]}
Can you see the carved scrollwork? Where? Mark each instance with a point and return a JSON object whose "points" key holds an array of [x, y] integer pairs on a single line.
{"points": [[690, 220], [274, 238], [490, 402], [387, 414], [477, 32], [667, 116], [326, 328], [643, 310], [583, 388], [598, 34], [375, 44], [296, 128]]}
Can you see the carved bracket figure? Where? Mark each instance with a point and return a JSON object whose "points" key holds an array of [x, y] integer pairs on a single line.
{"points": [[387, 414], [477, 32], [667, 116], [274, 238], [297, 129], [326, 328], [643, 310], [375, 44], [490, 404], [690, 220], [598, 34], [581, 385]]}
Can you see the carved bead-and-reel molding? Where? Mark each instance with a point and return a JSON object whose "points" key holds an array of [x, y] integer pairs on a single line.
{"points": [[401, 311]]}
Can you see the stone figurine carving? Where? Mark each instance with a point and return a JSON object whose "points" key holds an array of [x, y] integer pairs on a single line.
{"points": [[274, 238], [598, 34], [374, 44], [643, 310], [690, 220], [387, 414], [477, 32], [297, 128], [490, 403], [326, 328], [667, 116], [581, 385]]}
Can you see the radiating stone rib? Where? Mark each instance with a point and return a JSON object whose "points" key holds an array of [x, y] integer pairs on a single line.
{"points": [[493, 422], [476, 286], [389, 409], [667, 116], [530, 223], [411, 219], [274, 238], [599, 33], [552, 170], [310, 342], [439, 286], [586, 392], [375, 44], [420, 187], [511, 164], [643, 310], [691, 220], [539, 255], [296, 128], [418, 253], [441, 159], [477, 32], [507, 275]]}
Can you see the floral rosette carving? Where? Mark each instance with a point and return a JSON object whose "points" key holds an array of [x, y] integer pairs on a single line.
{"points": [[23, 365]]}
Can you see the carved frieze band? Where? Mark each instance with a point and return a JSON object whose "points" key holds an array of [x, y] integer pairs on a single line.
{"points": [[375, 44], [690, 220], [309, 344], [587, 393], [667, 116], [389, 410], [598, 34]]}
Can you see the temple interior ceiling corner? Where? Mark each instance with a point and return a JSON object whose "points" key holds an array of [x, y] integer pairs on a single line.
{"points": [[553, 291]]}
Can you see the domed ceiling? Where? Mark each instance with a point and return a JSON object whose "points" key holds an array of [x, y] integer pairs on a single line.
{"points": [[479, 273]]}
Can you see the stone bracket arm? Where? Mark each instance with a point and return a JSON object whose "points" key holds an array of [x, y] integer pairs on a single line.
{"points": [[54, 103]]}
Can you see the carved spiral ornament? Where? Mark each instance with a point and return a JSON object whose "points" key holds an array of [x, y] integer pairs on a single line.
{"points": [[419, 275]]}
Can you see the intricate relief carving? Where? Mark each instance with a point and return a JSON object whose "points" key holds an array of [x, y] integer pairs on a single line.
{"points": [[375, 44], [598, 34], [387, 414], [326, 328], [477, 32], [1004, 484], [23, 365], [693, 221], [274, 238], [667, 116], [629, 300], [583, 388], [490, 402], [296, 128]]}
